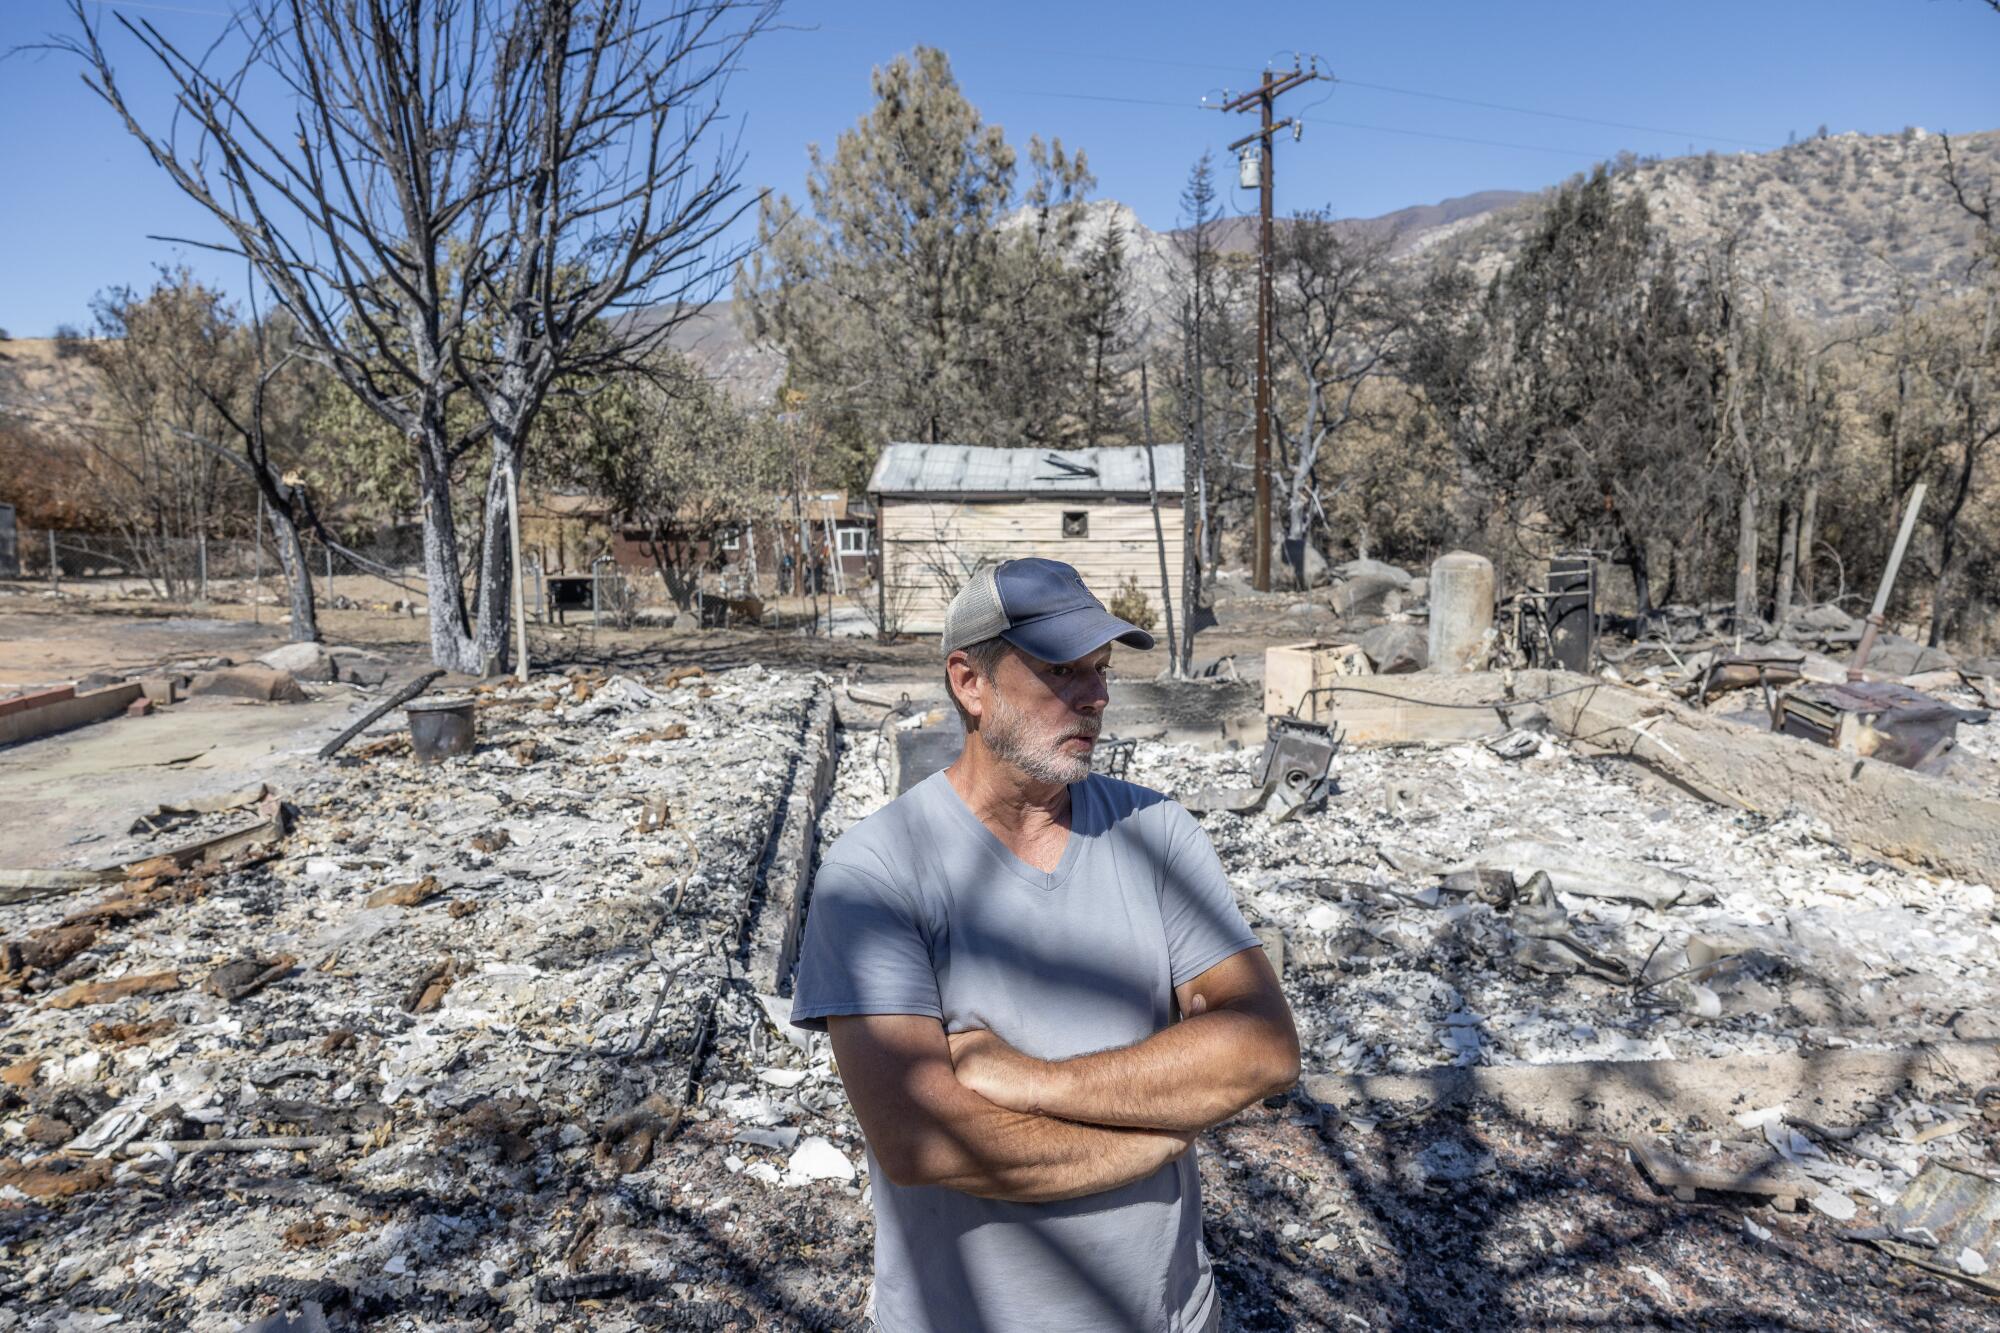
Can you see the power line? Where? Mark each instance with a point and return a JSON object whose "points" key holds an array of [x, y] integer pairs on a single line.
{"points": [[1550, 115], [1105, 57], [1592, 154], [1456, 138], [167, 9]]}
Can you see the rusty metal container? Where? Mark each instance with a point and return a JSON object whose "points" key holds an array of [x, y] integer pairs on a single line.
{"points": [[440, 728], [1876, 720]]}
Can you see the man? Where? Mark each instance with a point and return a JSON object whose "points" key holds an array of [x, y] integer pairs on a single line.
{"points": [[1001, 956]]}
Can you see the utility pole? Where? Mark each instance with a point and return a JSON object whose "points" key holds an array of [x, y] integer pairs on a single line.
{"points": [[1262, 98]]}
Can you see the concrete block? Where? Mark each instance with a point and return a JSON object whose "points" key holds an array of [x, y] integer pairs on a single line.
{"points": [[22, 703], [61, 714], [926, 749], [160, 690], [262, 683], [785, 869], [1294, 673], [1461, 611]]}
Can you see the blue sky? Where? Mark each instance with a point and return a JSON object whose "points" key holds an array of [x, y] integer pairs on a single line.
{"points": [[1124, 82]]}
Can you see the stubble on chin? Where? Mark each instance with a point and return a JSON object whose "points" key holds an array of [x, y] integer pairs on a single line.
{"points": [[1010, 736]]}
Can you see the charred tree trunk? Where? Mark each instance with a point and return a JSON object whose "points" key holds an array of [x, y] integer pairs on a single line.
{"points": [[1808, 521], [1788, 564], [492, 644], [1748, 498], [1948, 541], [452, 643], [1746, 551], [304, 626], [1642, 589]]}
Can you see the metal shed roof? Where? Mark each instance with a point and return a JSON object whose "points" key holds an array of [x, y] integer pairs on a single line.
{"points": [[967, 470]]}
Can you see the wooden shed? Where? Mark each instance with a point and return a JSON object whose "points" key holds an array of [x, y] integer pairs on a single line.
{"points": [[944, 510]]}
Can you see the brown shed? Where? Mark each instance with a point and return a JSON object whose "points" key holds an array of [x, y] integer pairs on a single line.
{"points": [[943, 510]]}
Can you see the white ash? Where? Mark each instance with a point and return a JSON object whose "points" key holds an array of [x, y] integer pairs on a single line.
{"points": [[1831, 949]]}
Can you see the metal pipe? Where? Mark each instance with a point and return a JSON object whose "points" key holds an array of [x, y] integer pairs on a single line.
{"points": [[1856, 670], [881, 573], [1174, 663], [595, 605]]}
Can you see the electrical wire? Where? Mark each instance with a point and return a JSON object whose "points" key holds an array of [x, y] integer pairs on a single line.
{"points": [[1548, 115], [1585, 153], [1475, 708], [115, 5]]}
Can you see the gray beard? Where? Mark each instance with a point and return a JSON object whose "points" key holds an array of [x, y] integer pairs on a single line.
{"points": [[1011, 737]]}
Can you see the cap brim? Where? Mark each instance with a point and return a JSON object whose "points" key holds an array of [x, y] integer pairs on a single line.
{"points": [[1068, 635]]}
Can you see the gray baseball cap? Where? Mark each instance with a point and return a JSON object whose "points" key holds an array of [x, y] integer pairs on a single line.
{"points": [[1039, 606]]}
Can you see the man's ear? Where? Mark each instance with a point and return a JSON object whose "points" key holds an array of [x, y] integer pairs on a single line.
{"points": [[965, 683]]}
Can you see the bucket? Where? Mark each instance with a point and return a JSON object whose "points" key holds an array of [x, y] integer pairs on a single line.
{"points": [[440, 728]]}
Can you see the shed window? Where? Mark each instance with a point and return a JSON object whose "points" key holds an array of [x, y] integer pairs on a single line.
{"points": [[852, 541], [1076, 523]]}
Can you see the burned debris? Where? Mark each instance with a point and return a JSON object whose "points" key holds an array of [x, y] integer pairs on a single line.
{"points": [[486, 1026]]}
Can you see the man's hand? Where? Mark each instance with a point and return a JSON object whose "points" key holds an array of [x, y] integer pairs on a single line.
{"points": [[996, 1071], [1234, 1045], [927, 1128], [1002, 1075]]}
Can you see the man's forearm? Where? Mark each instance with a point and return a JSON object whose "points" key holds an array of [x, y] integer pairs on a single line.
{"points": [[979, 1148], [1187, 1077]]}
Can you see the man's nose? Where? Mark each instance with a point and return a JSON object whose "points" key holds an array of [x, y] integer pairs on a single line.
{"points": [[1092, 692]]}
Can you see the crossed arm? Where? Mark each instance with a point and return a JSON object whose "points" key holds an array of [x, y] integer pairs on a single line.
{"points": [[971, 1113]]}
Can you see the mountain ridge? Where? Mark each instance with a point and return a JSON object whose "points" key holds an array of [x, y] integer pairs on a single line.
{"points": [[1839, 227]]}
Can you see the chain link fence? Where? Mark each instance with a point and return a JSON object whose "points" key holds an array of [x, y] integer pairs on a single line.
{"points": [[199, 569]]}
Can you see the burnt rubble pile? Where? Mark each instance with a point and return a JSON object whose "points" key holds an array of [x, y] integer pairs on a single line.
{"points": [[1671, 929], [497, 1042], [438, 1048]]}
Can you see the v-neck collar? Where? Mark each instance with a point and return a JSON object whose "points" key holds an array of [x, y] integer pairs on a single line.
{"points": [[1048, 881]]}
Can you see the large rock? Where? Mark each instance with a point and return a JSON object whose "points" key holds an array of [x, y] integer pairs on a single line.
{"points": [[1396, 649], [358, 666], [1894, 655], [1283, 576], [1368, 595], [1374, 569], [1822, 622], [304, 661], [262, 683]]}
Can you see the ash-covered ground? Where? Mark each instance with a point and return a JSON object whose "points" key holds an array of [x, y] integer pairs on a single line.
{"points": [[501, 1062]]}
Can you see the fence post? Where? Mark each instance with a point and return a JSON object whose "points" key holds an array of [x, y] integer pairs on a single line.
{"points": [[55, 564], [201, 562], [257, 535], [329, 573]]}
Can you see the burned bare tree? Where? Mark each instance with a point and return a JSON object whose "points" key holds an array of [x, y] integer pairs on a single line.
{"points": [[261, 402], [470, 203], [139, 414], [1197, 316], [1337, 325], [1575, 390]]}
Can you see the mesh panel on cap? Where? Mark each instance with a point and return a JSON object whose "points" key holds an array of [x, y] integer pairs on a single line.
{"points": [[976, 614]]}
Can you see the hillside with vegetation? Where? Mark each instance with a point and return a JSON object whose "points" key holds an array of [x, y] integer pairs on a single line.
{"points": [[1840, 227]]}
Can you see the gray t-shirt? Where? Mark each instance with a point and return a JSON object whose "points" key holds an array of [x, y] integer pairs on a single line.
{"points": [[920, 909]]}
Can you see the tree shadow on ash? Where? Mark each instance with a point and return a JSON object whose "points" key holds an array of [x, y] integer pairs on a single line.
{"points": [[1463, 1193]]}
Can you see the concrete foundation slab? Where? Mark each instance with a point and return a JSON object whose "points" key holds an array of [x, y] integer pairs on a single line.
{"points": [[1831, 1087]]}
